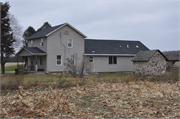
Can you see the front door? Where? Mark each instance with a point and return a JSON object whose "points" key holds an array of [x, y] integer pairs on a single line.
{"points": [[32, 65], [36, 64]]}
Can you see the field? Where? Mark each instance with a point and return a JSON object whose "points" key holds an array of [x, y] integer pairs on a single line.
{"points": [[108, 95], [10, 67]]}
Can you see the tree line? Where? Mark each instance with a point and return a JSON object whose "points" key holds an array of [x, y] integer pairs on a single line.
{"points": [[176, 53]]}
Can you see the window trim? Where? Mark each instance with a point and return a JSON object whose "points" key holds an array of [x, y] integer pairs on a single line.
{"points": [[71, 44], [42, 42], [31, 43], [112, 62], [92, 58], [40, 61], [73, 58], [57, 60]]}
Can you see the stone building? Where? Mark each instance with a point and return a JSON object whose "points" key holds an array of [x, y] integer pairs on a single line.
{"points": [[150, 62]]}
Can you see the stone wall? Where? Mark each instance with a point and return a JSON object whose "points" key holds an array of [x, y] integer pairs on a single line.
{"points": [[155, 66]]}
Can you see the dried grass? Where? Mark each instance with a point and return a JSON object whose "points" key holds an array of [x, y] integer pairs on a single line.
{"points": [[108, 99]]}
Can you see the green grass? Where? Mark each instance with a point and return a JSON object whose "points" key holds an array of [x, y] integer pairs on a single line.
{"points": [[56, 80], [10, 68]]}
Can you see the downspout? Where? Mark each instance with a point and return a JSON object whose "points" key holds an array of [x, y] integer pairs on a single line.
{"points": [[64, 49]]}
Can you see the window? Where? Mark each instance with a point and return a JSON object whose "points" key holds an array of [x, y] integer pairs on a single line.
{"points": [[31, 43], [41, 60], [72, 59], [70, 43], [58, 60], [112, 60], [90, 58], [41, 43]]}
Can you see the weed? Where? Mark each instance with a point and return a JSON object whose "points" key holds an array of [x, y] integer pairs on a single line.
{"points": [[12, 83], [82, 81], [61, 82]]}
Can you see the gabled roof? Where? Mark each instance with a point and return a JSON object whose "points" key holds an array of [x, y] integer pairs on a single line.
{"points": [[113, 47], [32, 51], [144, 56], [172, 58], [44, 32], [48, 31]]}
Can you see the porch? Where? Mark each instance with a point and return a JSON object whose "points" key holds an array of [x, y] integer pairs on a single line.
{"points": [[33, 60]]}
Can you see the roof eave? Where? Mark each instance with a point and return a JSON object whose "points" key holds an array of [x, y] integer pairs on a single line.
{"points": [[140, 60], [55, 30], [111, 54], [65, 25], [39, 54], [21, 50], [36, 37]]}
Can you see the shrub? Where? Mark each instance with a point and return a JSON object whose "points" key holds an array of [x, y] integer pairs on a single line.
{"points": [[78, 69]]}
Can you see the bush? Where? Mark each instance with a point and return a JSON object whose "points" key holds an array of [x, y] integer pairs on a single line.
{"points": [[78, 69]]}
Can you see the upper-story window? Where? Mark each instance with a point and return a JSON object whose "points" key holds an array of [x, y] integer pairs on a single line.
{"points": [[31, 43], [69, 43], [41, 43]]}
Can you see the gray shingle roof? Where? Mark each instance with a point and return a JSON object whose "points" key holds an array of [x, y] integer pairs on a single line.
{"points": [[144, 56], [34, 51], [44, 32], [119, 47]]}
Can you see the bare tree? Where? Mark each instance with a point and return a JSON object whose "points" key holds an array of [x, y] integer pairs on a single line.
{"points": [[78, 69], [16, 30]]}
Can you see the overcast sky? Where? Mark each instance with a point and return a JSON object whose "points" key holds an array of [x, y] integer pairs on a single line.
{"points": [[153, 22]]}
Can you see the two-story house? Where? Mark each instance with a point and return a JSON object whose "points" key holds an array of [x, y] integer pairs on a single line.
{"points": [[48, 49]]}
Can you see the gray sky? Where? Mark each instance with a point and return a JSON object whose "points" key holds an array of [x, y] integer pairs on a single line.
{"points": [[153, 22]]}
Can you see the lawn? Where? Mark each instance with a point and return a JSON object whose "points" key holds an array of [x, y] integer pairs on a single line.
{"points": [[10, 67], [104, 95]]}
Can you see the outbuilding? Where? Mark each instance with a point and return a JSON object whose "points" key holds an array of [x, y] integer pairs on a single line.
{"points": [[150, 62]]}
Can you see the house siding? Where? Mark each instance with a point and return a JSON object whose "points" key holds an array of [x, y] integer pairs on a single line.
{"points": [[24, 53], [55, 48], [101, 64], [155, 66], [36, 43]]}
